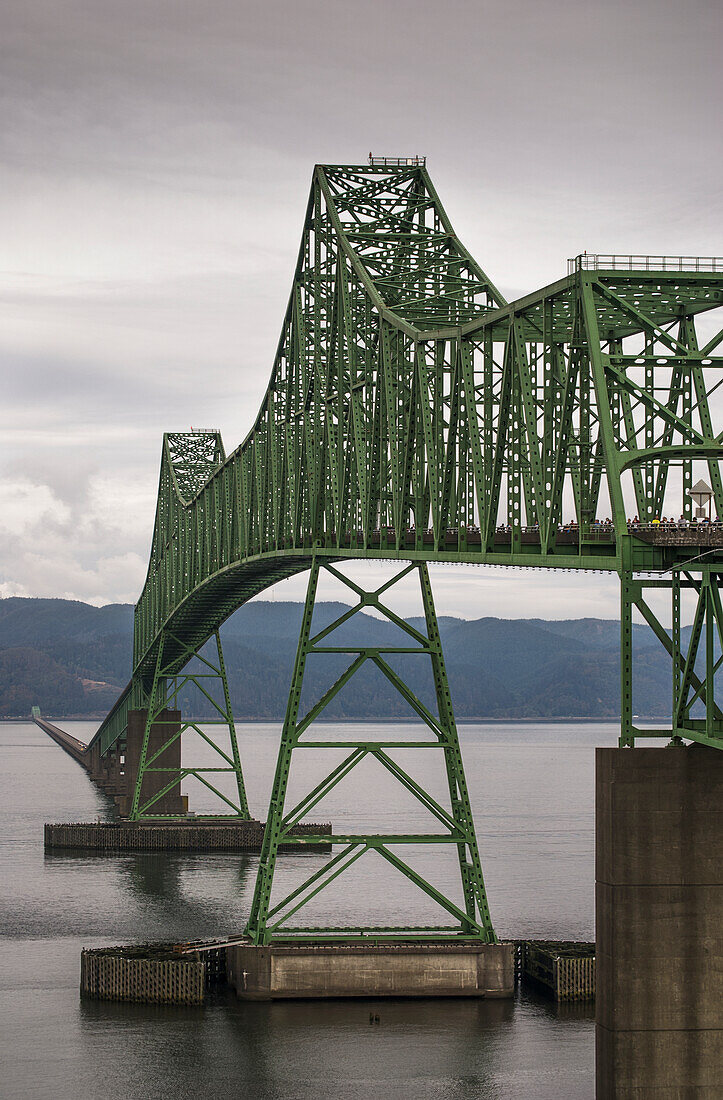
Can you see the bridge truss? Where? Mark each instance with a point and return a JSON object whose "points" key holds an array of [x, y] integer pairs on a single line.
{"points": [[415, 415]]}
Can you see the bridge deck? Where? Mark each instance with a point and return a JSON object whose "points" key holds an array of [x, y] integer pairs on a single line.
{"points": [[452, 538], [568, 539], [75, 748]]}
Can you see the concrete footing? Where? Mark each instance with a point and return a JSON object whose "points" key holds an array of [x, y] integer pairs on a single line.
{"points": [[160, 973], [284, 971], [659, 915]]}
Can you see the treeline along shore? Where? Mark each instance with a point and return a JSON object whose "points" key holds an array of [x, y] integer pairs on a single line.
{"points": [[72, 659]]}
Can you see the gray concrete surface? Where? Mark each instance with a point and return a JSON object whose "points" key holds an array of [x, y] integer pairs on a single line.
{"points": [[336, 970], [659, 922]]}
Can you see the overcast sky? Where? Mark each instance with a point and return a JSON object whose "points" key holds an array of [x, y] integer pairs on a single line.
{"points": [[155, 162]]}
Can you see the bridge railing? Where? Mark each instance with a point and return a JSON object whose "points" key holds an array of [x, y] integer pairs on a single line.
{"points": [[588, 261], [567, 534], [397, 162]]}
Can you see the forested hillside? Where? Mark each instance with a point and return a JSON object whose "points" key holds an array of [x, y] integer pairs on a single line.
{"points": [[72, 659]]}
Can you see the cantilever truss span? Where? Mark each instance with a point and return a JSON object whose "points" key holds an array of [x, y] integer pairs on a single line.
{"points": [[413, 414]]}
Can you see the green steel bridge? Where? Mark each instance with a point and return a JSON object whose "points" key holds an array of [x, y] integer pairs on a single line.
{"points": [[415, 416]]}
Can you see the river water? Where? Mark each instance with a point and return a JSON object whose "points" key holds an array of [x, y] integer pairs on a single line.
{"points": [[532, 791]]}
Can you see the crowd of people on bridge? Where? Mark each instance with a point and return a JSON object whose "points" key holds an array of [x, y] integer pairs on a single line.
{"points": [[670, 522], [666, 522], [602, 526]]}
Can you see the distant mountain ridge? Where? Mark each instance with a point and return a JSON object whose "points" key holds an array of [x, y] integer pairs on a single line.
{"points": [[72, 659]]}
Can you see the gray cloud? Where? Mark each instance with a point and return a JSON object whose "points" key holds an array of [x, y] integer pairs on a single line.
{"points": [[155, 160]]}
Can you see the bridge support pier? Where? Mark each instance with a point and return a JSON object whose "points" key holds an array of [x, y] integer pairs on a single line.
{"points": [[659, 916], [153, 737], [294, 971], [108, 772], [467, 915], [164, 744]]}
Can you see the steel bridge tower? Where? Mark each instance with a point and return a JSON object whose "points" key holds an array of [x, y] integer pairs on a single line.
{"points": [[415, 416]]}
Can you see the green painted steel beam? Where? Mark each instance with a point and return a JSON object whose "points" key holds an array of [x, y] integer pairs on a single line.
{"points": [[268, 920]]}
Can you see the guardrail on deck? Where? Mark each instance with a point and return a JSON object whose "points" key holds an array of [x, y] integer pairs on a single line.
{"points": [[594, 261]]}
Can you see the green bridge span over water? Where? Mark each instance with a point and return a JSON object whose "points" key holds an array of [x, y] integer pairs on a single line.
{"points": [[414, 415]]}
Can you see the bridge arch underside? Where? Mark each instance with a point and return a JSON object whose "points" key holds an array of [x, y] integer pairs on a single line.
{"points": [[209, 605], [205, 609]]}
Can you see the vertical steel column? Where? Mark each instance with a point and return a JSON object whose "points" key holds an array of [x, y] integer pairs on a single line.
{"points": [[274, 819], [470, 865], [627, 738], [240, 785], [135, 806], [675, 631], [709, 659]]}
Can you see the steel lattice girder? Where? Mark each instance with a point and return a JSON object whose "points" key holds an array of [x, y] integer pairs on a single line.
{"points": [[411, 411]]}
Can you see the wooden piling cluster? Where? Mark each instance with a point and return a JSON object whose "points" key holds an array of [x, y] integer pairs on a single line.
{"points": [[563, 969], [145, 975], [128, 836]]}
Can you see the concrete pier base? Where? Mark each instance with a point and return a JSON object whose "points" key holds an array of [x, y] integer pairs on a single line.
{"points": [[659, 915], [316, 971]]}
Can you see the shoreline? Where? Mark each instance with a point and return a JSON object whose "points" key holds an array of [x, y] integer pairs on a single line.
{"points": [[386, 720]]}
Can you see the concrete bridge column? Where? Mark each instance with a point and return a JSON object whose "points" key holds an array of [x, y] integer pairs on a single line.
{"points": [[167, 723], [95, 764], [659, 914], [111, 780], [110, 774], [102, 770]]}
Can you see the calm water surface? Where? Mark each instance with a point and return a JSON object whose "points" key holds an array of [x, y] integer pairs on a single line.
{"points": [[532, 792]]}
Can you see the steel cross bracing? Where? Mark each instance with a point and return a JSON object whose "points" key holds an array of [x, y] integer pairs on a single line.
{"points": [[218, 732], [413, 414], [452, 827]]}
